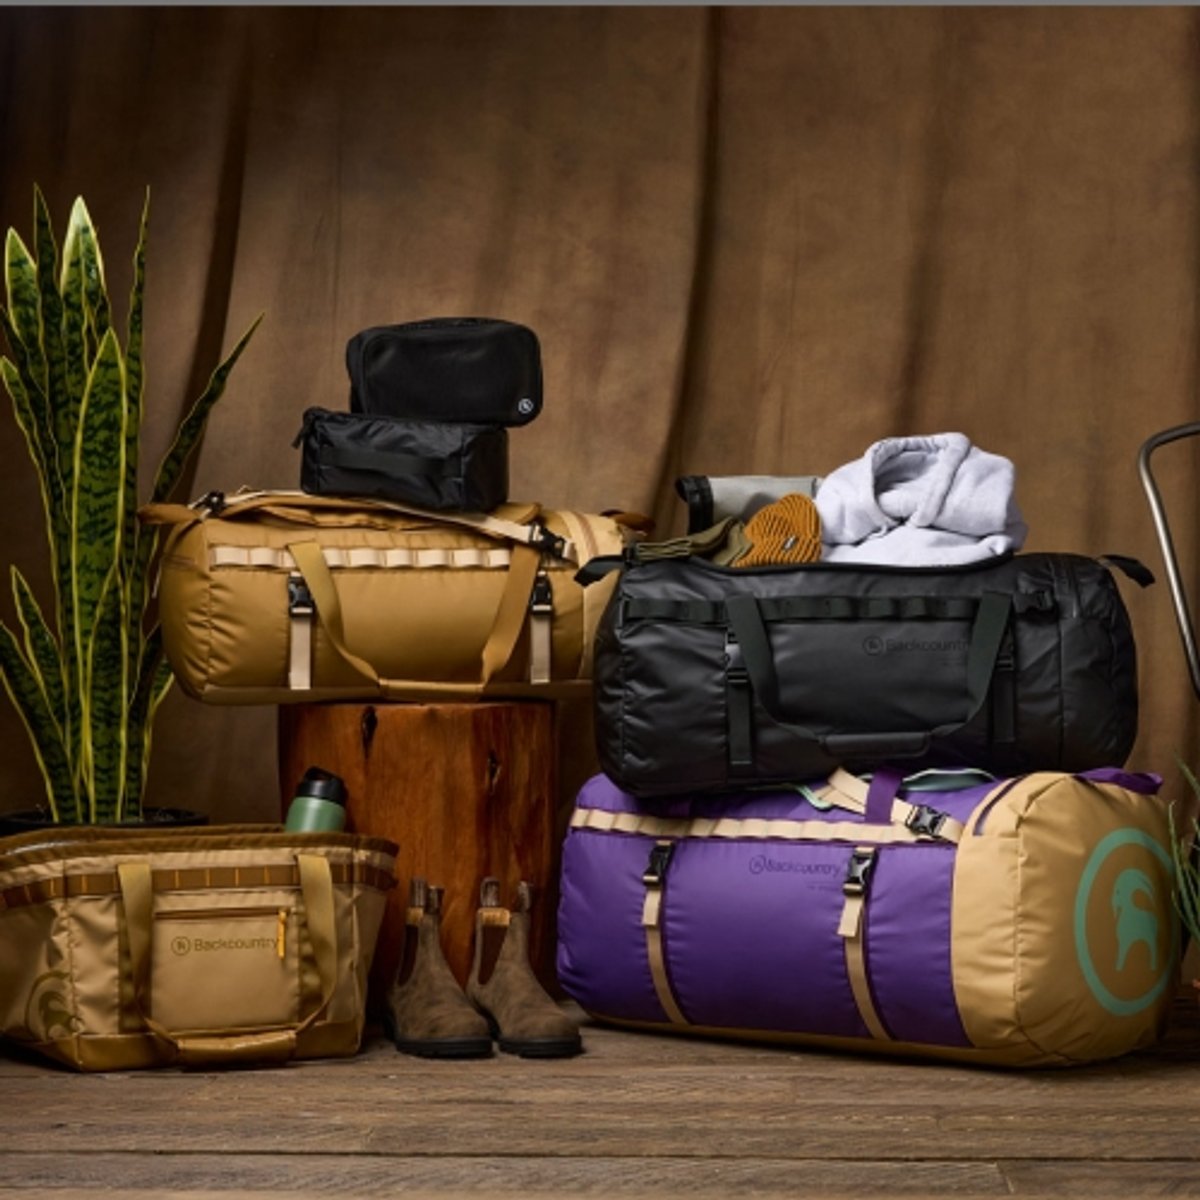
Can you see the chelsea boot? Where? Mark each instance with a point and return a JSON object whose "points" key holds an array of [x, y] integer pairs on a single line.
{"points": [[427, 1013], [523, 1016]]}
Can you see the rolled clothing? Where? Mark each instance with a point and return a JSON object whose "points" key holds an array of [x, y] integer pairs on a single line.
{"points": [[920, 501]]}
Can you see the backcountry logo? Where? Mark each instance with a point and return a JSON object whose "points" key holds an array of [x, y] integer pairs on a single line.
{"points": [[1125, 933], [181, 946], [762, 864], [875, 646]]}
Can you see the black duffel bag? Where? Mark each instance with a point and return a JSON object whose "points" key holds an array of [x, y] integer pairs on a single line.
{"points": [[709, 678]]}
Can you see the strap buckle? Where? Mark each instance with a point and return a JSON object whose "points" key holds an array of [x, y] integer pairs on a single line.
{"points": [[540, 538], [925, 821], [541, 599], [858, 871], [735, 664], [213, 502], [656, 868], [300, 601]]}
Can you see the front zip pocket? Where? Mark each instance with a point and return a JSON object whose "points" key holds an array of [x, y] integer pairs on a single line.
{"points": [[225, 968]]}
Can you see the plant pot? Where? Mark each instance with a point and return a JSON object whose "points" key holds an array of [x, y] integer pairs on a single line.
{"points": [[28, 820]]}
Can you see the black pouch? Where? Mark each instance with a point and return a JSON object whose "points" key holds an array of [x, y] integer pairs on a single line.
{"points": [[464, 369], [427, 463]]}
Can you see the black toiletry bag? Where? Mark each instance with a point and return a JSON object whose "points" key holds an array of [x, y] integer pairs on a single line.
{"points": [[427, 463], [477, 370]]}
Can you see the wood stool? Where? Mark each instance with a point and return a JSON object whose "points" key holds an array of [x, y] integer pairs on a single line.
{"points": [[465, 790]]}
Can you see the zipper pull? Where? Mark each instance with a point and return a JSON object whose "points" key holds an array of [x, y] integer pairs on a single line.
{"points": [[281, 935]]}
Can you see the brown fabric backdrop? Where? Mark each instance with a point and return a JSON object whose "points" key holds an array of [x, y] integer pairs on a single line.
{"points": [[751, 240]]}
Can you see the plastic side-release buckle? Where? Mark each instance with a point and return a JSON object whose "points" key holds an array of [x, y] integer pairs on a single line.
{"points": [[858, 872], [656, 868], [300, 601], [925, 821]]}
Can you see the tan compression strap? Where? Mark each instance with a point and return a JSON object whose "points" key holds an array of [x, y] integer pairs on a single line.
{"points": [[320, 584], [137, 897], [511, 612], [301, 614], [655, 956], [541, 627], [849, 792]]}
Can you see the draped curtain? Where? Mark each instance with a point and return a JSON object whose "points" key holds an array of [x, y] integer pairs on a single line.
{"points": [[751, 240]]}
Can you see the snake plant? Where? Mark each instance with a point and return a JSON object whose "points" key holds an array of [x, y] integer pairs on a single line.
{"points": [[87, 681]]}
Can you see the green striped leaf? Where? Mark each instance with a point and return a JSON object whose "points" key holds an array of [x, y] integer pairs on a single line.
{"points": [[74, 322], [190, 431], [27, 420], [24, 304], [98, 474], [108, 702], [21, 684], [135, 405], [41, 648], [55, 350], [153, 682], [95, 293]]}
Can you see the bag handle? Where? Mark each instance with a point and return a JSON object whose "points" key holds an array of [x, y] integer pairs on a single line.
{"points": [[268, 1045], [528, 531], [497, 650], [987, 633]]}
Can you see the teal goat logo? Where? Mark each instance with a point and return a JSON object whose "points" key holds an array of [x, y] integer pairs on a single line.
{"points": [[1139, 914], [1134, 924]]}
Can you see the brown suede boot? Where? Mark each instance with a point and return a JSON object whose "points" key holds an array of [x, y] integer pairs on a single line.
{"points": [[524, 1018], [427, 1013]]}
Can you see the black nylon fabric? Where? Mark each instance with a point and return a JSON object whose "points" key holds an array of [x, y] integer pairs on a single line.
{"points": [[871, 661], [427, 463], [477, 370]]}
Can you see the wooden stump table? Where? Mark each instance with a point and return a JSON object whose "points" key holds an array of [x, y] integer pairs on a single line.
{"points": [[465, 790]]}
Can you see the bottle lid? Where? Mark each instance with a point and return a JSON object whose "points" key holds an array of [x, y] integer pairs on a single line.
{"points": [[324, 785]]}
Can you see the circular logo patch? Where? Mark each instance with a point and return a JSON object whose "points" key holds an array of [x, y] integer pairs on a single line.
{"points": [[1125, 934], [181, 945]]}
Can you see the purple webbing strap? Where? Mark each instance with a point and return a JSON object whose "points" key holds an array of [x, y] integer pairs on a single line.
{"points": [[1144, 782], [883, 789]]}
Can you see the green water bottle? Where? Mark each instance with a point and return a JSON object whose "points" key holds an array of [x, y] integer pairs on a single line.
{"points": [[319, 805]]}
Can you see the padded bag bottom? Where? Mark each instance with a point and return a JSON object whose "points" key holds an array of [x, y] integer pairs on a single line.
{"points": [[1013, 922], [432, 464]]}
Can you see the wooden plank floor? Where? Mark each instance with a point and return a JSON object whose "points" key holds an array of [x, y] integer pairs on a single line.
{"points": [[637, 1115]]}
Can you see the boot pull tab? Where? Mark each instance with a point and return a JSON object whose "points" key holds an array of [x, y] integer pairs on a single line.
{"points": [[433, 902], [524, 897], [489, 893], [417, 898], [493, 927]]}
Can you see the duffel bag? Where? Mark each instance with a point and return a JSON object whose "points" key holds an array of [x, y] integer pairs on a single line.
{"points": [[1025, 921], [275, 597], [233, 944], [710, 677]]}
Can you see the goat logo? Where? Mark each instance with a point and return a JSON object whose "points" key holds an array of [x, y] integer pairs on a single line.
{"points": [[1134, 924], [1124, 924]]}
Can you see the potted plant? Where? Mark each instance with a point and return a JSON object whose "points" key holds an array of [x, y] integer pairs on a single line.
{"points": [[88, 681], [1185, 847]]}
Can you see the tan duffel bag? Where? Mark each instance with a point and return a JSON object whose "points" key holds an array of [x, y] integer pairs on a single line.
{"points": [[128, 947], [272, 597]]}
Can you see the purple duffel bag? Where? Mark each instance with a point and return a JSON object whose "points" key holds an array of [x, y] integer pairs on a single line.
{"points": [[1024, 921]]}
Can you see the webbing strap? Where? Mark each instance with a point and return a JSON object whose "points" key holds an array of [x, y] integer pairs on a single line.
{"points": [[747, 828]]}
